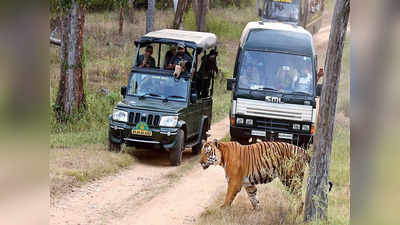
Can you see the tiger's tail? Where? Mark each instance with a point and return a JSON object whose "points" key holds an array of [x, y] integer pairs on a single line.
{"points": [[308, 160]]}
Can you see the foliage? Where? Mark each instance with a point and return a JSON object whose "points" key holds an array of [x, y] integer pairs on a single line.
{"points": [[57, 6], [88, 127], [226, 23]]}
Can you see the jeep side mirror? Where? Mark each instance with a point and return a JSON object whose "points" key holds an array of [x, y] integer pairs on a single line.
{"points": [[319, 90], [123, 91], [193, 98], [229, 83]]}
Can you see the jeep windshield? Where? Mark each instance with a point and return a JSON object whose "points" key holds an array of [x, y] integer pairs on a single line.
{"points": [[156, 86], [277, 72], [282, 10]]}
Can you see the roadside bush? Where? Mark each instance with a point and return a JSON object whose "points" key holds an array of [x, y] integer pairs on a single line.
{"points": [[88, 127]]}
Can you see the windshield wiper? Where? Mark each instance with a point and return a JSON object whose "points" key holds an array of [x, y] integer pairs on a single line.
{"points": [[151, 94], [267, 89], [173, 96], [299, 92]]}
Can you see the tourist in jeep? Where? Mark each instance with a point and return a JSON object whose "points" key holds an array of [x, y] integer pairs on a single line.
{"points": [[146, 60], [181, 56]]}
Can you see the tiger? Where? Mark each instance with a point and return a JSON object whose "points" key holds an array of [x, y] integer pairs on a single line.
{"points": [[259, 163]]}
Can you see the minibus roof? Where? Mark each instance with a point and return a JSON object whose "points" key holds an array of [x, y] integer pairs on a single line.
{"points": [[277, 37]]}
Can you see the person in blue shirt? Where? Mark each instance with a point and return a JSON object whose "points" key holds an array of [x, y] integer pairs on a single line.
{"points": [[180, 57]]}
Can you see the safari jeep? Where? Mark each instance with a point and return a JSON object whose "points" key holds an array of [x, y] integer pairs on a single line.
{"points": [[166, 105], [274, 85]]}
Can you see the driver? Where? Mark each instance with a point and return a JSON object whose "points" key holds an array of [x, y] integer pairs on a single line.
{"points": [[149, 85], [251, 76]]}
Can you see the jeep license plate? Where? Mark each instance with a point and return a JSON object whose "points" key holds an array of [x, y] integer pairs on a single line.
{"points": [[285, 136], [142, 129], [258, 133]]}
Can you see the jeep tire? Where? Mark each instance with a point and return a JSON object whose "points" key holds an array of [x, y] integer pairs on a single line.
{"points": [[175, 154], [197, 148], [113, 147]]}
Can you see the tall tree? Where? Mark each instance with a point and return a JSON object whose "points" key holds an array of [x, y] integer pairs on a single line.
{"points": [[260, 6], [316, 203], [180, 10], [121, 20], [131, 11], [123, 5], [200, 8], [150, 15], [70, 96], [237, 3]]}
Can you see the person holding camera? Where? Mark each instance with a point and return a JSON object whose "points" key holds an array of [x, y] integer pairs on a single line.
{"points": [[146, 60]]}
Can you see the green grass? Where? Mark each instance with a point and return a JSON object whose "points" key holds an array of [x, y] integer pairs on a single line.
{"points": [[329, 4], [88, 127]]}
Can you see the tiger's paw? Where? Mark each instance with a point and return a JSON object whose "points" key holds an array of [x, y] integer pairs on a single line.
{"points": [[225, 206]]}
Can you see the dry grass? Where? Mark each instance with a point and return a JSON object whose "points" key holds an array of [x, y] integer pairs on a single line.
{"points": [[70, 168], [278, 206]]}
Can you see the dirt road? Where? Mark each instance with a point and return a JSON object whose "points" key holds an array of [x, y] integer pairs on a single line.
{"points": [[147, 193]]}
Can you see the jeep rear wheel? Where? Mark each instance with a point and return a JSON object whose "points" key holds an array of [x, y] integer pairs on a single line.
{"points": [[175, 154]]}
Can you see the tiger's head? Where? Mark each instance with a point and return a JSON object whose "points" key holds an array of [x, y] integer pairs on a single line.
{"points": [[210, 154]]}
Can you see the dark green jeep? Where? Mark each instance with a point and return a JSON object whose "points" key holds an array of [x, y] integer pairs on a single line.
{"points": [[168, 99]]}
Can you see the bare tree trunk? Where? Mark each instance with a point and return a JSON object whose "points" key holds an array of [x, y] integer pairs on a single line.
{"points": [[200, 8], [316, 203], [237, 3], [259, 5], [130, 11], [121, 21], [71, 94], [150, 16], [180, 10]]}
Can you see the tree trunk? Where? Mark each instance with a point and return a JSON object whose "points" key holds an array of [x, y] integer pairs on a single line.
{"points": [[260, 6], [200, 8], [237, 3], [70, 95], [131, 11], [179, 14], [150, 16], [316, 202], [121, 21]]}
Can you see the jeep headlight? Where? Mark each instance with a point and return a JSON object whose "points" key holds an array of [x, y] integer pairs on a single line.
{"points": [[249, 122], [168, 121], [120, 115], [305, 127]]}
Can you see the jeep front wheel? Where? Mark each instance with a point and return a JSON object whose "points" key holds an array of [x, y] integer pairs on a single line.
{"points": [[175, 154], [197, 148], [114, 147]]}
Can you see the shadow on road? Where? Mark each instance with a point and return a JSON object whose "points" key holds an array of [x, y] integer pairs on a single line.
{"points": [[155, 156]]}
